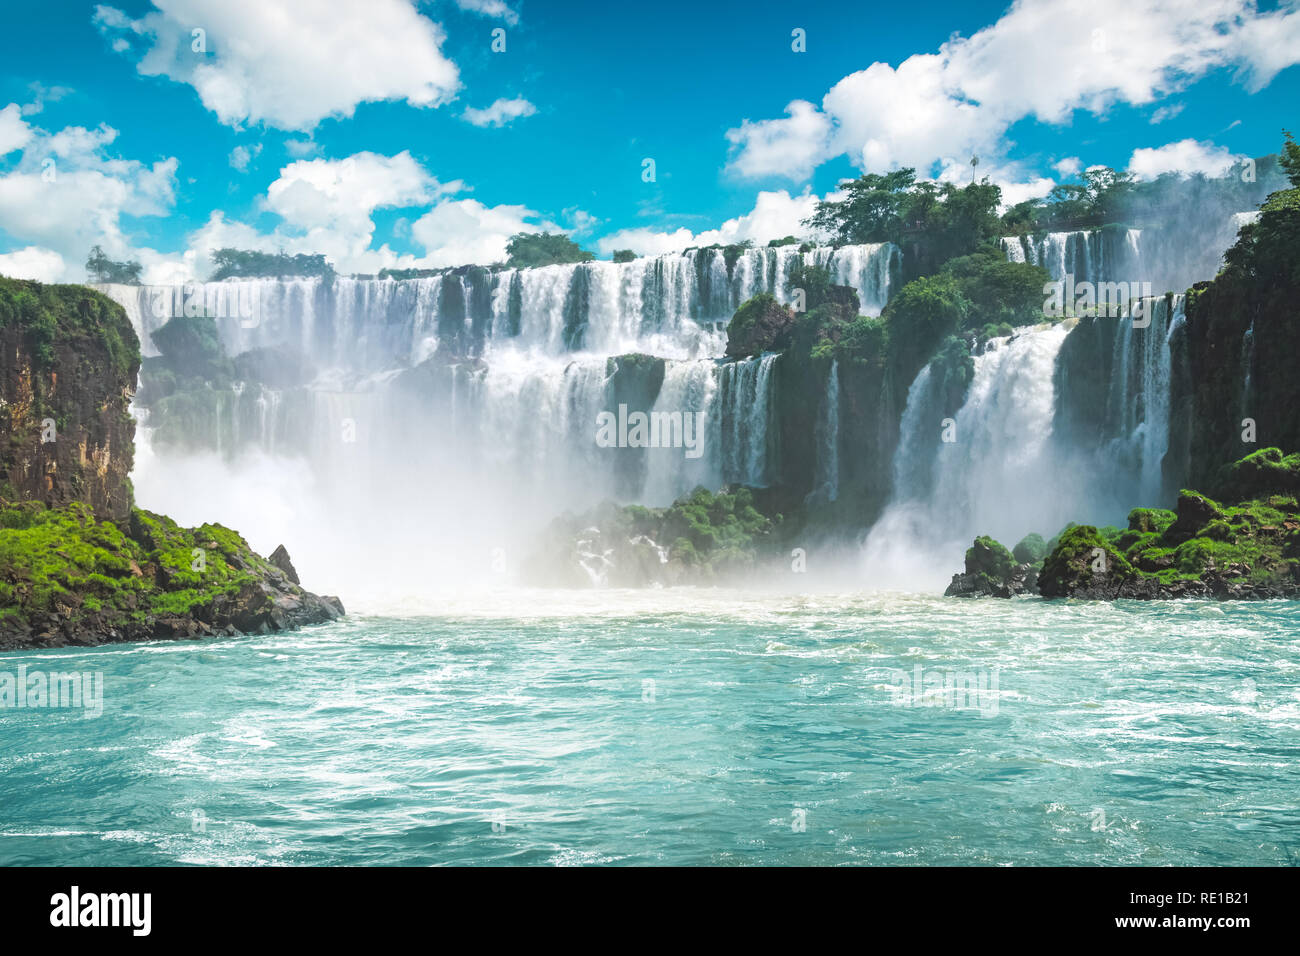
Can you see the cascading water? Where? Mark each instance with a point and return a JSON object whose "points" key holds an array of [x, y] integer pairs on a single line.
{"points": [[993, 472], [746, 411], [456, 413], [692, 386], [1138, 400], [1160, 256], [1115, 380], [1103, 255], [828, 438]]}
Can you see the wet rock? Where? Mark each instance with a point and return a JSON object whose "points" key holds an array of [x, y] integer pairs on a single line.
{"points": [[280, 558]]}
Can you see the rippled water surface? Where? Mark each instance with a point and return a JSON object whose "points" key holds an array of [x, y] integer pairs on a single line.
{"points": [[679, 727]]}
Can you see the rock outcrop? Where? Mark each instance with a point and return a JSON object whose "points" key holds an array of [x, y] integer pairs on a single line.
{"points": [[701, 539], [992, 571], [79, 564], [68, 364], [760, 325], [69, 579], [1248, 549]]}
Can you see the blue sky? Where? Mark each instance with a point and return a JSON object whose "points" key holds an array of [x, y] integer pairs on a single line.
{"points": [[350, 127]]}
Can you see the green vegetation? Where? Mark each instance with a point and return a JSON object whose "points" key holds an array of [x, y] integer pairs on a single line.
{"points": [[1082, 554], [1256, 294], [700, 538], [67, 314], [1248, 547], [1265, 472], [942, 220], [624, 255], [191, 346], [721, 529], [989, 561], [1031, 549], [1099, 198], [815, 281], [761, 324], [1106, 196], [410, 273], [526, 250], [93, 575], [100, 268], [250, 264]]}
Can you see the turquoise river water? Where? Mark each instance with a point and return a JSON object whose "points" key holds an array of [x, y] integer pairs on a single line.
{"points": [[678, 727]]}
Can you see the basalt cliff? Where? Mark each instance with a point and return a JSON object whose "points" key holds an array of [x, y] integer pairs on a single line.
{"points": [[79, 563]]}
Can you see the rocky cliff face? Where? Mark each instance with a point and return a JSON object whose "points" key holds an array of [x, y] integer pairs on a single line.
{"points": [[1243, 342], [68, 364], [79, 564]]}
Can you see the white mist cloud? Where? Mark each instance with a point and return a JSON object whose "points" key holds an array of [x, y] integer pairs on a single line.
{"points": [[291, 63], [1043, 59], [500, 113]]}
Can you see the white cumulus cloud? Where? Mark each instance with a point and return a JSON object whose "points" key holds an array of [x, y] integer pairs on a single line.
{"points": [[460, 231], [490, 8], [291, 63], [66, 192], [1044, 59], [776, 214], [1185, 156], [14, 131], [33, 262]]}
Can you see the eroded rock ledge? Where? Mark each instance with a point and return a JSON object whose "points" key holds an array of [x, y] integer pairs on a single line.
{"points": [[69, 579]]}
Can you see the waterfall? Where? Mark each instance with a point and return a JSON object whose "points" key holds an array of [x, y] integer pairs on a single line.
{"points": [[673, 305], [998, 476], [1102, 255], [746, 409], [1247, 367], [1137, 407], [1163, 254], [444, 417], [688, 387], [828, 438], [1115, 381]]}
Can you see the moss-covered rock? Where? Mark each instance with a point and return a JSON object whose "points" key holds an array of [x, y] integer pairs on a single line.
{"points": [[1265, 472], [68, 578], [760, 325], [1084, 564], [991, 571], [702, 538], [1031, 549], [79, 564], [1248, 548]]}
